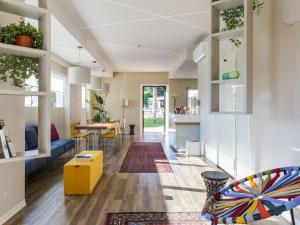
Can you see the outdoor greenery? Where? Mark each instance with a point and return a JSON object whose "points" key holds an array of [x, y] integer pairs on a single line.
{"points": [[148, 93], [99, 107], [8, 33], [233, 18], [149, 122], [16, 69]]}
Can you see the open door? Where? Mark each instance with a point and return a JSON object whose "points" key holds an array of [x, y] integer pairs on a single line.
{"points": [[154, 109]]}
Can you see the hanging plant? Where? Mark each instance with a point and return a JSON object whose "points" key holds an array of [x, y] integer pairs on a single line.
{"points": [[17, 69], [233, 18]]}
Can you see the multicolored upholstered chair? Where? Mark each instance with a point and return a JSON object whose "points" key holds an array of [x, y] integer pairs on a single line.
{"points": [[256, 197]]}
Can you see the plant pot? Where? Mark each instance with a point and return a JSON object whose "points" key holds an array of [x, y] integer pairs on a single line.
{"points": [[24, 41]]}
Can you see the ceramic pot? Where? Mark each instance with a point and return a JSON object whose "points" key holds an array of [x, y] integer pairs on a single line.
{"points": [[24, 41]]}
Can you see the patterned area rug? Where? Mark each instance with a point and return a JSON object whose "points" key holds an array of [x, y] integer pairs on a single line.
{"points": [[146, 157], [155, 218]]}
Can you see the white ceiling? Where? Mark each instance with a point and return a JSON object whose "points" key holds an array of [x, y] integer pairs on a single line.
{"points": [[65, 45], [162, 28]]}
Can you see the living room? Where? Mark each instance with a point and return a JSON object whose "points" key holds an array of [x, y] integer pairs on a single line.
{"points": [[149, 112]]}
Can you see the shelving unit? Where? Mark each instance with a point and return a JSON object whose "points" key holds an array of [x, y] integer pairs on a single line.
{"points": [[16, 126], [227, 4], [235, 94], [22, 51]]}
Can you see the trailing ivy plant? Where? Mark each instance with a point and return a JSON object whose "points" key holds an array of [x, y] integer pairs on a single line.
{"points": [[17, 69], [233, 18]]}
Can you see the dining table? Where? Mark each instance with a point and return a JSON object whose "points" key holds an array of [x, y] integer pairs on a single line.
{"points": [[97, 128]]}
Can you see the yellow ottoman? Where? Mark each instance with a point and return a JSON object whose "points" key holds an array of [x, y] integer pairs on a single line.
{"points": [[80, 177]]}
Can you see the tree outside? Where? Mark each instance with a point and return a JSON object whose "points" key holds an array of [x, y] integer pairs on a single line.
{"points": [[154, 108]]}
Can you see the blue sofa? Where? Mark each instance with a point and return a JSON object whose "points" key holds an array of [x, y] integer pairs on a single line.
{"points": [[58, 148]]}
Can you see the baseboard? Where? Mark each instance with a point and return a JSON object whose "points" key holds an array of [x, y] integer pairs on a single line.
{"points": [[10, 213]]}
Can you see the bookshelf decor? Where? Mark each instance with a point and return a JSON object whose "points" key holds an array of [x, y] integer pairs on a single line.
{"points": [[232, 38], [14, 112]]}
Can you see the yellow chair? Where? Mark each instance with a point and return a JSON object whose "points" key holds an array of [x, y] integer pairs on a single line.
{"points": [[81, 177], [77, 135], [112, 135]]}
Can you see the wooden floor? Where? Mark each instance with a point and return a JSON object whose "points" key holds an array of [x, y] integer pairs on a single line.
{"points": [[181, 191]]}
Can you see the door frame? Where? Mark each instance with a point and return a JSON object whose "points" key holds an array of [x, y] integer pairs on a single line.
{"points": [[166, 126]]}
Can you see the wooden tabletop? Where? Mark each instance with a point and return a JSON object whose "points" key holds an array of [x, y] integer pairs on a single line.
{"points": [[95, 126]]}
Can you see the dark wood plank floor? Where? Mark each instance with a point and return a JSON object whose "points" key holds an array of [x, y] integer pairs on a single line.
{"points": [[181, 191]]}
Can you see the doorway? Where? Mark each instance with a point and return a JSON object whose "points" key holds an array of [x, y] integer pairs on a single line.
{"points": [[154, 109]]}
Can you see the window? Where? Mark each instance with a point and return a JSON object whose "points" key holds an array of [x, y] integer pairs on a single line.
{"points": [[191, 94], [83, 96], [57, 91], [31, 85]]}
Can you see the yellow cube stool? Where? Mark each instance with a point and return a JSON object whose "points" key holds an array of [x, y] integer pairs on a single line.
{"points": [[80, 178]]}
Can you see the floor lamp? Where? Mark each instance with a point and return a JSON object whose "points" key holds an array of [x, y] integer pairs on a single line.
{"points": [[124, 104]]}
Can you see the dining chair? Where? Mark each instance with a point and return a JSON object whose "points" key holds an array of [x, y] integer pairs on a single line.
{"points": [[111, 136], [77, 135]]}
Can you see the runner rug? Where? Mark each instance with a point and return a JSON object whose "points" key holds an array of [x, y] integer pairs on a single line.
{"points": [[146, 157], [155, 218]]}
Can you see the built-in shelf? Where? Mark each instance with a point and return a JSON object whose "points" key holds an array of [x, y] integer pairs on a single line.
{"points": [[228, 112], [23, 93], [25, 156], [22, 9], [229, 82], [21, 51], [225, 35], [16, 120], [227, 4]]}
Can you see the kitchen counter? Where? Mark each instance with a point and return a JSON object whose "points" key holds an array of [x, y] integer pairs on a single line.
{"points": [[187, 129]]}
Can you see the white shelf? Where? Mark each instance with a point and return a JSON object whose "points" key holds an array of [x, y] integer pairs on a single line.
{"points": [[25, 156], [229, 34], [229, 82], [228, 113], [23, 93], [227, 4], [21, 51], [22, 9]]}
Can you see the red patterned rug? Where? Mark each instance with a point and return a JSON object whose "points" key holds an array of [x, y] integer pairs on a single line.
{"points": [[146, 157], [155, 218]]}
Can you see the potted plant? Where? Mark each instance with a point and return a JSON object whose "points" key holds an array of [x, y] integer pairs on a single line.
{"points": [[101, 114], [22, 34]]}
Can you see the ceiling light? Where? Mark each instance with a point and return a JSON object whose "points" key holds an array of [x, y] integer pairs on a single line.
{"points": [[96, 82], [79, 74]]}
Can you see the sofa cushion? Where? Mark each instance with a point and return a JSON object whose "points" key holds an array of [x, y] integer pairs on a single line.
{"points": [[54, 133], [31, 137], [67, 143], [33, 165], [56, 151]]}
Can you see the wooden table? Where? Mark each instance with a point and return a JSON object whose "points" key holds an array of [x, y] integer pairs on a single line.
{"points": [[93, 128]]}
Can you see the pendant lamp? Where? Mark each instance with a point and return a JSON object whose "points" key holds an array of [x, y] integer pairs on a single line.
{"points": [[79, 74], [96, 82]]}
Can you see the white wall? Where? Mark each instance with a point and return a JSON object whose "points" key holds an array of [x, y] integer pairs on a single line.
{"points": [[269, 137]]}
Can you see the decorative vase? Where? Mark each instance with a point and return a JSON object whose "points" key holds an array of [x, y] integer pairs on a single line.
{"points": [[24, 41], [231, 75]]}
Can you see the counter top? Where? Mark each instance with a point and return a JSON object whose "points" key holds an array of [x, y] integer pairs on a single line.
{"points": [[193, 119]]}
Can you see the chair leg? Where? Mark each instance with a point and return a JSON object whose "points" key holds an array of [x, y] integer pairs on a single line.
{"points": [[293, 217]]}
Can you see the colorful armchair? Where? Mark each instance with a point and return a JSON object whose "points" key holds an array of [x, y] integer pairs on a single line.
{"points": [[256, 197]]}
